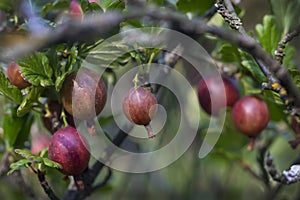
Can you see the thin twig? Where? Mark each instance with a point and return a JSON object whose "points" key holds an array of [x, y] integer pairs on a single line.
{"points": [[279, 53], [46, 186], [4, 167], [110, 20], [105, 180]]}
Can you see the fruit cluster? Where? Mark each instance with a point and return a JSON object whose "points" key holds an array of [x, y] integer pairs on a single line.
{"points": [[250, 114]]}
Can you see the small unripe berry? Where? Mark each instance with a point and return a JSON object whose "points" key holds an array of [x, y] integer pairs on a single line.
{"points": [[69, 149], [86, 91], [139, 106], [15, 77], [216, 93]]}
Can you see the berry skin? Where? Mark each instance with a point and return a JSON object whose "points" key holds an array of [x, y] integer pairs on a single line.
{"points": [[71, 150], [75, 10], [139, 106], [87, 92], [211, 93], [15, 76], [250, 115]]}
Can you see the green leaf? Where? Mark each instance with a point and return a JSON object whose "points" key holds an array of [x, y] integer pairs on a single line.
{"points": [[18, 165], [57, 6], [14, 126], [106, 4], [29, 101], [229, 53], [24, 133], [51, 163], [286, 12], [288, 60], [109, 55], [250, 65], [195, 6], [8, 90], [30, 159], [295, 75], [268, 34], [65, 68], [275, 105], [36, 69]]}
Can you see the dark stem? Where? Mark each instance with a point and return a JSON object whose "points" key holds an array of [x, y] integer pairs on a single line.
{"points": [[4, 167], [279, 53], [46, 186], [105, 180], [150, 131]]}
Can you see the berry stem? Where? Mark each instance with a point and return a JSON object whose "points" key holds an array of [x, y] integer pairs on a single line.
{"points": [[251, 143], [150, 131]]}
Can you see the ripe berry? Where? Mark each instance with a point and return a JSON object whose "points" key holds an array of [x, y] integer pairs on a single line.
{"points": [[250, 116], [211, 93], [75, 10], [69, 149], [86, 91], [139, 106], [15, 76]]}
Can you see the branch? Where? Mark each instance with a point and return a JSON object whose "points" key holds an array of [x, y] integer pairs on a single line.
{"points": [[45, 185], [279, 53], [88, 30], [105, 180]]}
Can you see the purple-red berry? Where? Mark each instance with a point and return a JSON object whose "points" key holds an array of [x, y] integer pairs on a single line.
{"points": [[84, 95], [75, 10], [139, 106], [250, 115], [217, 92], [71, 150], [15, 76]]}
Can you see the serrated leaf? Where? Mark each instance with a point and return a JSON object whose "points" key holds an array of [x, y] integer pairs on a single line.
{"points": [[268, 34], [63, 69], [12, 125], [18, 165], [29, 100], [9, 91], [250, 65], [29, 156], [51, 163], [36, 69], [229, 53], [107, 54]]}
